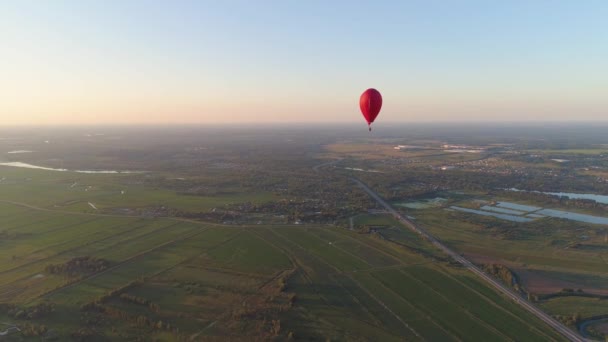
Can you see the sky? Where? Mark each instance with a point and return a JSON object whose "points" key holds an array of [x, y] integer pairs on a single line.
{"points": [[176, 62]]}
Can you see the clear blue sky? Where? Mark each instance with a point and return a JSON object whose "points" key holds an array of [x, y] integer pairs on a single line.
{"points": [[244, 61]]}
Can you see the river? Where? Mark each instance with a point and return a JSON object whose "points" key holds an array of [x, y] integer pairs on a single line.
{"points": [[30, 166]]}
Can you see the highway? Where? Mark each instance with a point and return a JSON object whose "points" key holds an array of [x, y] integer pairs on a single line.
{"points": [[562, 329]]}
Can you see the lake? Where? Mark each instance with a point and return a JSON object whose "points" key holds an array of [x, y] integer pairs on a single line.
{"points": [[598, 198], [519, 209]]}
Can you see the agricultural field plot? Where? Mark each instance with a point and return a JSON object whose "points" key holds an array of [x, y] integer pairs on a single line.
{"points": [[418, 294], [545, 282], [69, 191], [571, 306], [348, 243], [337, 258], [248, 253], [545, 249]]}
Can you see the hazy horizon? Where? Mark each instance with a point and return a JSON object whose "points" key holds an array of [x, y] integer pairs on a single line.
{"points": [[189, 62]]}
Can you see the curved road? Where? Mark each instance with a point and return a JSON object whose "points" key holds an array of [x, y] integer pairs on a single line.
{"points": [[555, 324]]}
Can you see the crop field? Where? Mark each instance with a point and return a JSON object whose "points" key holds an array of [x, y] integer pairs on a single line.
{"points": [[117, 277], [568, 306], [533, 249]]}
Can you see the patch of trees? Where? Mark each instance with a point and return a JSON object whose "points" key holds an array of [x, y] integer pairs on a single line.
{"points": [[94, 304], [142, 321], [573, 320], [84, 334], [32, 312], [79, 266], [275, 327], [503, 273], [4, 235], [283, 280], [568, 292], [309, 210], [140, 301], [33, 330], [98, 305], [213, 216]]}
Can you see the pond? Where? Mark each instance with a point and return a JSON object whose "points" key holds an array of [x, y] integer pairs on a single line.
{"points": [[502, 210], [497, 215], [574, 216], [519, 207], [423, 204]]}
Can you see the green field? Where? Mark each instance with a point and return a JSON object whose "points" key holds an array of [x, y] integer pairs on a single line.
{"points": [[173, 279], [68, 191]]}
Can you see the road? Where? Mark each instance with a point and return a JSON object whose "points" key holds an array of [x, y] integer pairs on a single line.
{"points": [[562, 329]]}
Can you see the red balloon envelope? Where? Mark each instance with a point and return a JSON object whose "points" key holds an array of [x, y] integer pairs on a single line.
{"points": [[370, 103]]}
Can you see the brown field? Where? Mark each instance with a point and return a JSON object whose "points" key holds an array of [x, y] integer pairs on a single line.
{"points": [[603, 328], [596, 173], [542, 284]]}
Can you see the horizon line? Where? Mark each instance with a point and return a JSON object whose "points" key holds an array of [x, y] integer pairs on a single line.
{"points": [[302, 123]]}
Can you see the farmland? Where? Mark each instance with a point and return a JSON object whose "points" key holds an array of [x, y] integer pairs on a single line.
{"points": [[200, 279], [208, 238]]}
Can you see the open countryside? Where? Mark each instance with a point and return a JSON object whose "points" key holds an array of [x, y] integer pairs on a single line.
{"points": [[217, 251]]}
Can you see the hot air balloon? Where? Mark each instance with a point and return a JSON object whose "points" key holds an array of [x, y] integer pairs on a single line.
{"points": [[370, 104]]}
